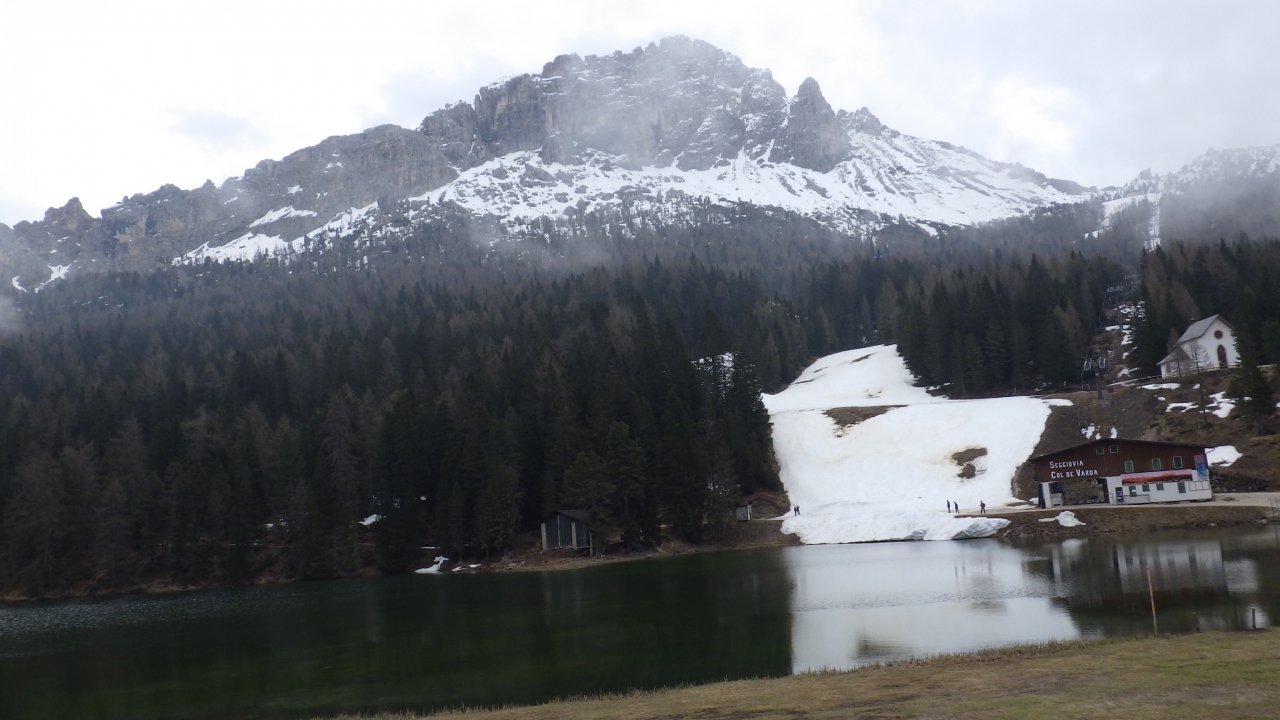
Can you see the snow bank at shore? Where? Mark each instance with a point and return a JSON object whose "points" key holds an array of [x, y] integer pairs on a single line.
{"points": [[889, 476]]}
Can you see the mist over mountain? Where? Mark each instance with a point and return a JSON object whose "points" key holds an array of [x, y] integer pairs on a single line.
{"points": [[663, 130], [1221, 195]]}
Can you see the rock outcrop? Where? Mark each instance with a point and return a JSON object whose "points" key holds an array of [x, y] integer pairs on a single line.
{"points": [[812, 136]]}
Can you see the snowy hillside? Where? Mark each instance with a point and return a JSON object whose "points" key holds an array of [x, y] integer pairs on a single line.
{"points": [[885, 466], [926, 182]]}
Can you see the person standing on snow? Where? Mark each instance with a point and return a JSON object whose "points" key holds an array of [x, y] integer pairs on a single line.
{"points": [[983, 506]]}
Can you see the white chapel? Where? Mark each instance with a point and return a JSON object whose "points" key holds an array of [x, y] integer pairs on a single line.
{"points": [[1208, 344]]}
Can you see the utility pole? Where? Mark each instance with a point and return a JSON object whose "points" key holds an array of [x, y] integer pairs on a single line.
{"points": [[1155, 626]]}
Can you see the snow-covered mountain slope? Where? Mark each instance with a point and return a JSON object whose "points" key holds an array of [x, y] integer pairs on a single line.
{"points": [[887, 470], [672, 125], [886, 177]]}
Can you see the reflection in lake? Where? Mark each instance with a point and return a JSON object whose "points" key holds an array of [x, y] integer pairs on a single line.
{"points": [[895, 600], [857, 604], [422, 643], [1212, 581]]}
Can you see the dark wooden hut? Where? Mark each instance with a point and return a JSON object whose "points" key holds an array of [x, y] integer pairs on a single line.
{"points": [[566, 529]]}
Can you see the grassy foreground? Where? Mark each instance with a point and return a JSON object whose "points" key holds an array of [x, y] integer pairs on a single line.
{"points": [[1218, 675]]}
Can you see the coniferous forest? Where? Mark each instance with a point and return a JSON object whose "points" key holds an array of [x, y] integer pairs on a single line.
{"points": [[338, 413]]}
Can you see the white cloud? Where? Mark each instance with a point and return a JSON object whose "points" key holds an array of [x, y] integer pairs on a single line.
{"points": [[216, 130], [1031, 121]]}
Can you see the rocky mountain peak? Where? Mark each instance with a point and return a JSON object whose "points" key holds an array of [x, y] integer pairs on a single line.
{"points": [[679, 101], [864, 122], [812, 136], [666, 127], [70, 218]]}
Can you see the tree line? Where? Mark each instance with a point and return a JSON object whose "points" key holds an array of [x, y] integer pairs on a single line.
{"points": [[356, 407]]}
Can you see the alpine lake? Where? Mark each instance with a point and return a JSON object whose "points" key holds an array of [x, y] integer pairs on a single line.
{"points": [[446, 641]]}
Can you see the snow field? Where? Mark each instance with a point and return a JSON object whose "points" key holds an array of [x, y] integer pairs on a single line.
{"points": [[889, 477], [1223, 455], [892, 175], [245, 248]]}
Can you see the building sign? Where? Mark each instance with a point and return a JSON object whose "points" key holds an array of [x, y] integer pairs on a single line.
{"points": [[1202, 469], [1062, 469], [1156, 476]]}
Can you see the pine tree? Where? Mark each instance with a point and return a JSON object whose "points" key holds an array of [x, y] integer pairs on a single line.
{"points": [[35, 524], [1250, 387], [497, 508], [625, 467], [683, 496], [587, 486], [722, 491], [113, 531], [398, 474], [996, 351], [750, 432]]}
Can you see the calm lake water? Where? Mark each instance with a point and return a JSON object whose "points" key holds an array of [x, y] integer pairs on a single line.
{"points": [[425, 642]]}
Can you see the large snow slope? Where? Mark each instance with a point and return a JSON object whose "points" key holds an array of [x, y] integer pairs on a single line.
{"points": [[891, 176], [889, 477]]}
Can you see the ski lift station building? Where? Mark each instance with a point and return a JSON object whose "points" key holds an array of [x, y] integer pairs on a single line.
{"points": [[1123, 472]]}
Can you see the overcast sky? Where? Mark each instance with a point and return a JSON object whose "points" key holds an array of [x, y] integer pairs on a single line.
{"points": [[100, 100]]}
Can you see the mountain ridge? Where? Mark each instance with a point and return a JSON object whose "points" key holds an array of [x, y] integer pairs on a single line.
{"points": [[665, 127]]}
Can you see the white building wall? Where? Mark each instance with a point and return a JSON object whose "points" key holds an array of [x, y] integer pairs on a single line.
{"points": [[1202, 352], [1206, 346], [1158, 491]]}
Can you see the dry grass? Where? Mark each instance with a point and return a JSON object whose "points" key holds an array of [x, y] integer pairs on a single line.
{"points": [[847, 417], [1131, 519], [1219, 675]]}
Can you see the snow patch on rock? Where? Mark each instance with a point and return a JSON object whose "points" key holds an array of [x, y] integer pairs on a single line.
{"points": [[282, 214], [245, 248]]}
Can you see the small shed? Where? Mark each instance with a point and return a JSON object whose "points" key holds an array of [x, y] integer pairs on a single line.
{"points": [[743, 513], [566, 529]]}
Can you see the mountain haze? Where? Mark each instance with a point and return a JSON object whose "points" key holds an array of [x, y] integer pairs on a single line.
{"points": [[665, 128]]}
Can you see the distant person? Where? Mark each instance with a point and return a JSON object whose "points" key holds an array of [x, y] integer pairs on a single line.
{"points": [[983, 507], [948, 506], [957, 506], [797, 509]]}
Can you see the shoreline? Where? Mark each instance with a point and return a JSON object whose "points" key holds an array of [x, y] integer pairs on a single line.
{"points": [[1105, 519], [750, 535], [1217, 674], [764, 533]]}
